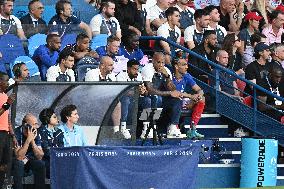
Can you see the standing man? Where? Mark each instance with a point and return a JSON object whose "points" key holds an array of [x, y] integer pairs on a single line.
{"points": [[46, 56], [32, 22], [9, 23], [64, 22], [73, 133], [105, 22], [6, 129]]}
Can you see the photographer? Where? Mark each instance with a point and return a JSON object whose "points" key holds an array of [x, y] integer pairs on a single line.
{"points": [[29, 153]]}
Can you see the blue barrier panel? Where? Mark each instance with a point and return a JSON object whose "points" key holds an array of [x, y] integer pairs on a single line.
{"points": [[259, 162], [158, 167]]}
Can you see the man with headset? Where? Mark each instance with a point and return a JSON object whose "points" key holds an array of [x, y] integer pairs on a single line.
{"points": [[21, 73], [29, 153]]}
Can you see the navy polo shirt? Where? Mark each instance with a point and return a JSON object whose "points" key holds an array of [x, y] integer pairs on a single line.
{"points": [[185, 83], [56, 24], [103, 52]]}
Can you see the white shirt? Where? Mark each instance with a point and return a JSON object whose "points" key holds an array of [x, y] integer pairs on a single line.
{"points": [[150, 3], [148, 72], [123, 76], [164, 31], [218, 27], [54, 71], [96, 23], [154, 13], [95, 75], [189, 33], [187, 8]]}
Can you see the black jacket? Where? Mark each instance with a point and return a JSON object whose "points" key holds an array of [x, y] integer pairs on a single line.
{"points": [[30, 29]]}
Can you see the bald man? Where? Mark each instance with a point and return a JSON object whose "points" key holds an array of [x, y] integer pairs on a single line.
{"points": [[29, 153]]}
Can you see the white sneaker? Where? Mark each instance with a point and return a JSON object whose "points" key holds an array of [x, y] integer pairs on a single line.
{"points": [[174, 131], [126, 133]]}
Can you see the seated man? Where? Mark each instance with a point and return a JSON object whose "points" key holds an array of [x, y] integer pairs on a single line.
{"points": [[29, 153], [73, 134], [62, 71], [21, 73], [32, 22], [131, 49], [82, 49], [158, 81], [46, 56], [195, 100], [49, 134], [272, 84], [64, 22]]}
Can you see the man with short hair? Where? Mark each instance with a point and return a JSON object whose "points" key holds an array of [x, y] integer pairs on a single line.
{"points": [[186, 14], [213, 24], [105, 22], [46, 55], [10, 24], [193, 35], [63, 70], [170, 31], [73, 133], [208, 50], [130, 48], [66, 23], [32, 22], [29, 153], [274, 31]]}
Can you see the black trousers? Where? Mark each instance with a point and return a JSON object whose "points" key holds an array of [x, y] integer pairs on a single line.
{"points": [[5, 156]]}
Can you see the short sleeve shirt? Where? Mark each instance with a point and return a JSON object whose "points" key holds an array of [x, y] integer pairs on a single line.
{"points": [[191, 34], [185, 82], [56, 24], [95, 75], [54, 73], [186, 17], [10, 26], [102, 26], [4, 126], [76, 137]]}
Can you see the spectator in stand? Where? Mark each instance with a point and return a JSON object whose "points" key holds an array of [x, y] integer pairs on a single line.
{"points": [[196, 100], [277, 62], [156, 16], [193, 35], [140, 4], [274, 31], [32, 22], [29, 153], [170, 31], [231, 45], [158, 81], [50, 135], [248, 53], [231, 15], [228, 83], [261, 8], [64, 22], [105, 22], [128, 17], [257, 70], [268, 104], [251, 25], [82, 48], [9, 23], [73, 133], [186, 14], [21, 73], [131, 49], [213, 24], [47, 55], [208, 50], [63, 70]]}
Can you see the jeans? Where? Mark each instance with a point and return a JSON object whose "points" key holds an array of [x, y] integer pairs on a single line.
{"points": [[38, 170]]}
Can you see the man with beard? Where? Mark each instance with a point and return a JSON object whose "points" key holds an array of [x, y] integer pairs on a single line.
{"points": [[105, 22], [208, 50], [193, 35], [10, 24], [46, 55], [272, 81], [64, 22], [213, 24]]}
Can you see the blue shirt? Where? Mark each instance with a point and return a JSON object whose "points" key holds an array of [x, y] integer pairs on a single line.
{"points": [[103, 52], [185, 83], [22, 139], [44, 59], [75, 137], [137, 54], [56, 24]]}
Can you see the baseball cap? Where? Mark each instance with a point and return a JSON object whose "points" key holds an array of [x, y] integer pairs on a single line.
{"points": [[253, 16], [260, 47], [280, 8]]}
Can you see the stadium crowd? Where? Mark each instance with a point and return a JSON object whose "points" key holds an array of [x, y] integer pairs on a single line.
{"points": [[245, 37]]}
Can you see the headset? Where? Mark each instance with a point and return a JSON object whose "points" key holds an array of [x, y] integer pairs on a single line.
{"points": [[17, 69]]}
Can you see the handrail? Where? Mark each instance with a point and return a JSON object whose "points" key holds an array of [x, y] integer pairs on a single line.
{"points": [[255, 86]]}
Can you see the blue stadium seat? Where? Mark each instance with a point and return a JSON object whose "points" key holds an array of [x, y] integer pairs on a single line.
{"points": [[98, 41], [68, 39], [83, 68], [11, 47], [35, 41], [33, 69]]}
